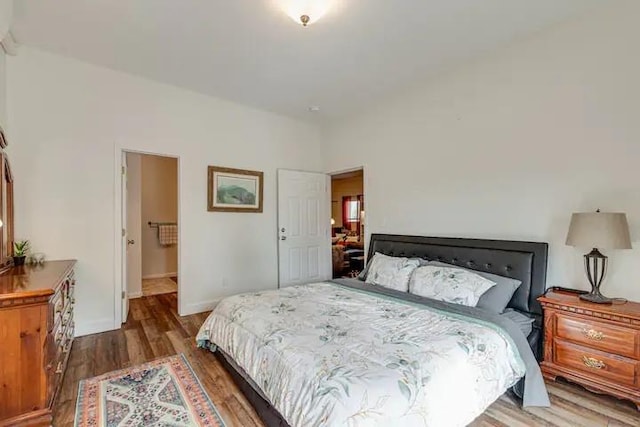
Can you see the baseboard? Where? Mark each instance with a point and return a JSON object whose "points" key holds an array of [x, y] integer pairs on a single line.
{"points": [[93, 327], [134, 295], [200, 307], [159, 276]]}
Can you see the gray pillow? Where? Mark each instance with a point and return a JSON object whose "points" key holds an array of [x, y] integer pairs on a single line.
{"points": [[498, 296]]}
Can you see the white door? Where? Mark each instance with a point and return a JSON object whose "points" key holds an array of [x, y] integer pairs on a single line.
{"points": [[125, 246], [304, 238], [133, 226]]}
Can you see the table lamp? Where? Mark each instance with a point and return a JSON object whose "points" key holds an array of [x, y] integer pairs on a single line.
{"points": [[595, 230]]}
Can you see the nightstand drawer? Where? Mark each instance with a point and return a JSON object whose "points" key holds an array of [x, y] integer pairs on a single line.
{"points": [[598, 335], [617, 369]]}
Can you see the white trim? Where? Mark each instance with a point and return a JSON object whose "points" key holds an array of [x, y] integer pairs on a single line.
{"points": [[117, 248], [134, 295], [94, 327], [200, 307], [116, 322], [160, 275]]}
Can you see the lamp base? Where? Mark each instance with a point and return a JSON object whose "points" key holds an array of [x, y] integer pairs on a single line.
{"points": [[595, 265], [597, 298]]}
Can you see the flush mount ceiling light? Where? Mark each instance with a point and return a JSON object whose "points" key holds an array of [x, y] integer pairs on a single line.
{"points": [[306, 12]]}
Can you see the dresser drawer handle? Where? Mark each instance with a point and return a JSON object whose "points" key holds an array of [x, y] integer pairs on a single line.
{"points": [[592, 334], [590, 362]]}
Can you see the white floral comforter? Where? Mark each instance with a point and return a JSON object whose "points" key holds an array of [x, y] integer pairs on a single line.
{"points": [[325, 355]]}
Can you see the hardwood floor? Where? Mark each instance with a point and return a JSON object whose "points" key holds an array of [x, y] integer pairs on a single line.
{"points": [[154, 330]]}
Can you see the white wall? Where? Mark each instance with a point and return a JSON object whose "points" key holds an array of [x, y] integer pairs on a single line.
{"points": [[6, 18], [509, 146], [3, 89], [66, 120], [159, 204]]}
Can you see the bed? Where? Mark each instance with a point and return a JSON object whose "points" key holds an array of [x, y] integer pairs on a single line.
{"points": [[347, 353]]}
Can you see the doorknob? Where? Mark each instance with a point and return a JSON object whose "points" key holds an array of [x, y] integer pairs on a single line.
{"points": [[130, 242]]}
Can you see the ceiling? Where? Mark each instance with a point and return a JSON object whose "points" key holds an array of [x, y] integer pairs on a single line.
{"points": [[251, 52]]}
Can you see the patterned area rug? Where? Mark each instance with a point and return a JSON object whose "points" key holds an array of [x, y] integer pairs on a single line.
{"points": [[165, 392]]}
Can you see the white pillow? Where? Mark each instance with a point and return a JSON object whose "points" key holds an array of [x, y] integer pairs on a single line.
{"points": [[449, 284], [391, 272]]}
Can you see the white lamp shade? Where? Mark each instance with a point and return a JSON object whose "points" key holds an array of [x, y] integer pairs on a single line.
{"points": [[605, 230]]}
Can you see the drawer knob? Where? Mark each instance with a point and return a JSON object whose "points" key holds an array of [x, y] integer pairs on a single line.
{"points": [[590, 362], [592, 334]]}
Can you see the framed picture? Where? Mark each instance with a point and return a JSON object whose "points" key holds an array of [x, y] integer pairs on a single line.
{"points": [[234, 190]]}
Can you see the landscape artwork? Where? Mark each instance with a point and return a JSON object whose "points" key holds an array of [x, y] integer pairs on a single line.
{"points": [[234, 190]]}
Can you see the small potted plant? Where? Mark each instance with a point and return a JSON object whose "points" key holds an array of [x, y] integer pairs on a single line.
{"points": [[20, 249]]}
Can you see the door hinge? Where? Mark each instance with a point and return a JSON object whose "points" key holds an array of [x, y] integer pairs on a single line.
{"points": [[124, 232], [123, 170], [123, 294]]}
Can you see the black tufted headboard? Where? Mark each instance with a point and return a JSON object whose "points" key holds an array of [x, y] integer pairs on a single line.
{"points": [[524, 261]]}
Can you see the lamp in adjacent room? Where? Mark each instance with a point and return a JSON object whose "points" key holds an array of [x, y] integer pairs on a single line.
{"points": [[598, 230]]}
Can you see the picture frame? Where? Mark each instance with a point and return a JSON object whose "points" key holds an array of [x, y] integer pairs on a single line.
{"points": [[234, 190]]}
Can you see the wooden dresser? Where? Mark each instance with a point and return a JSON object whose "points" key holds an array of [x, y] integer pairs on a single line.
{"points": [[595, 345], [36, 333]]}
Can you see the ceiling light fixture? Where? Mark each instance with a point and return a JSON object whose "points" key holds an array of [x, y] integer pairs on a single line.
{"points": [[306, 12]]}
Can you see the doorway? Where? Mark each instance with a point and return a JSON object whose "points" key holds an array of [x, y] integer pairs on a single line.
{"points": [[150, 225], [348, 223]]}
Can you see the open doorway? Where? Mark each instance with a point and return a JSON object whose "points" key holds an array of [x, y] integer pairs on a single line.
{"points": [[348, 223], [151, 206]]}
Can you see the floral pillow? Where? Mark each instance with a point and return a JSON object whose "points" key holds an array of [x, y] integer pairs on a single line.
{"points": [[449, 284], [391, 272]]}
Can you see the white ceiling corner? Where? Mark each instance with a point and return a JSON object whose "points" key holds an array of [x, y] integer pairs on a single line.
{"points": [[249, 51]]}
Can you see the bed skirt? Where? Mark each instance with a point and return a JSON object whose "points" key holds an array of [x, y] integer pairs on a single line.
{"points": [[267, 413]]}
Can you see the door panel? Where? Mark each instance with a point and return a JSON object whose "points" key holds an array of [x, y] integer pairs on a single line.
{"points": [[125, 247], [134, 225], [304, 244], [313, 262]]}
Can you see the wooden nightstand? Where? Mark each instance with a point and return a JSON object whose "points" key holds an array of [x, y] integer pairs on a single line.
{"points": [[594, 345]]}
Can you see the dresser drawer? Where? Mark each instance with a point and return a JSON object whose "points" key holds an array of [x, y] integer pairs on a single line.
{"points": [[56, 309], [598, 335], [616, 369]]}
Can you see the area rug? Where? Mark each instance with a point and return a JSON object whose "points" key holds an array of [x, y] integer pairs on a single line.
{"points": [[165, 392]]}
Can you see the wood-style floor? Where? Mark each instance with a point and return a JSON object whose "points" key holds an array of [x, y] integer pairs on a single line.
{"points": [[155, 330], [164, 285]]}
